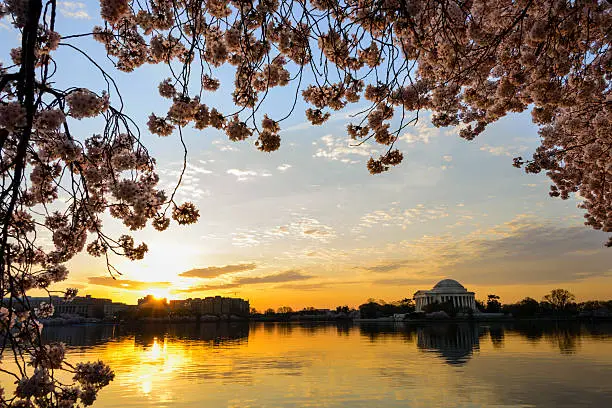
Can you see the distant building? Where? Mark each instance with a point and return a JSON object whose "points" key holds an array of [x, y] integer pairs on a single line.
{"points": [[151, 301], [178, 304], [447, 290], [213, 306], [85, 306], [110, 309]]}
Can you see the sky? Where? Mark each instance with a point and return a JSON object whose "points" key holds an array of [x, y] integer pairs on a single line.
{"points": [[307, 225]]}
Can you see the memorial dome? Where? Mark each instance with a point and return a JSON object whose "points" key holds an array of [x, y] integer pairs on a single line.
{"points": [[448, 284], [447, 290]]}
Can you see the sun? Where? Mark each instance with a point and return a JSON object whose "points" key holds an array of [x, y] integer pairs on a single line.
{"points": [[159, 293]]}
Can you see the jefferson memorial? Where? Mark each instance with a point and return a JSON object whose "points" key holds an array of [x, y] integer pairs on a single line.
{"points": [[447, 290]]}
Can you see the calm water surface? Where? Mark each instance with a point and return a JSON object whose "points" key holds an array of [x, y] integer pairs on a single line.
{"points": [[349, 365]]}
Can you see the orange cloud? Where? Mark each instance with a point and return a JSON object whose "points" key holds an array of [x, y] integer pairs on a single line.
{"points": [[126, 283], [214, 271]]}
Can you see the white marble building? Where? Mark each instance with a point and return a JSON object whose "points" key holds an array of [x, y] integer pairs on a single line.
{"points": [[447, 290]]}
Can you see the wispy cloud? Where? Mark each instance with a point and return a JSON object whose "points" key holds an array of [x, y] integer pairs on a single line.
{"points": [[284, 167], [191, 181], [521, 250], [345, 115], [245, 175], [316, 285], [391, 266], [281, 277], [509, 151], [126, 284], [397, 217], [342, 149], [224, 146], [406, 281], [214, 271], [73, 9], [287, 276], [423, 132], [213, 286], [303, 227], [197, 169]]}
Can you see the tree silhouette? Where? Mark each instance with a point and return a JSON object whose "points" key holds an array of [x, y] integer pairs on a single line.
{"points": [[559, 298], [493, 304], [284, 310]]}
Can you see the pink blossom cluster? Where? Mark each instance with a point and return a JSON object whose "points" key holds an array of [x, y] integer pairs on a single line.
{"points": [[44, 311], [18, 9], [113, 10], [12, 116], [186, 213], [110, 172], [86, 104]]}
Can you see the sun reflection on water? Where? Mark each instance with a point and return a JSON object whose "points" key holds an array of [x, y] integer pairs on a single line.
{"points": [[272, 365]]}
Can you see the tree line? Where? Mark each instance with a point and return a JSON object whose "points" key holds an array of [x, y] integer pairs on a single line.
{"points": [[559, 302]]}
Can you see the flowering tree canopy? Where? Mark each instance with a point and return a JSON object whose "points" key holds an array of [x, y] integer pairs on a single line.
{"points": [[469, 62]]}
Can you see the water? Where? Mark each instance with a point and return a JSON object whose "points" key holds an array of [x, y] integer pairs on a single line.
{"points": [[349, 365]]}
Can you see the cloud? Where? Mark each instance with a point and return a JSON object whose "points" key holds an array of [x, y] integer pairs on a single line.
{"points": [[303, 286], [422, 132], [214, 271], [73, 9], [392, 266], [223, 146], [126, 283], [244, 175], [284, 167], [509, 151], [405, 282], [342, 149], [345, 115], [395, 216], [288, 276], [203, 288], [190, 187], [197, 169], [316, 286], [535, 253], [447, 158], [246, 238], [523, 250], [303, 228]]}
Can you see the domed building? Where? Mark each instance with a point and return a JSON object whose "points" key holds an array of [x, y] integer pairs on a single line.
{"points": [[447, 290]]}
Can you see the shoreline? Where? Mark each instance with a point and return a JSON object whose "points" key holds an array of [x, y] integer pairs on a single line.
{"points": [[383, 320]]}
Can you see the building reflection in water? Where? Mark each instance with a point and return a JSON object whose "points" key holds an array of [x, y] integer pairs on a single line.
{"points": [[454, 343], [496, 333], [347, 364], [377, 331], [145, 335]]}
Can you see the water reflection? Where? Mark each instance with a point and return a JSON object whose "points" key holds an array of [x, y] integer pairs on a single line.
{"points": [[565, 337], [348, 364], [378, 331], [454, 343], [146, 335], [496, 333]]}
